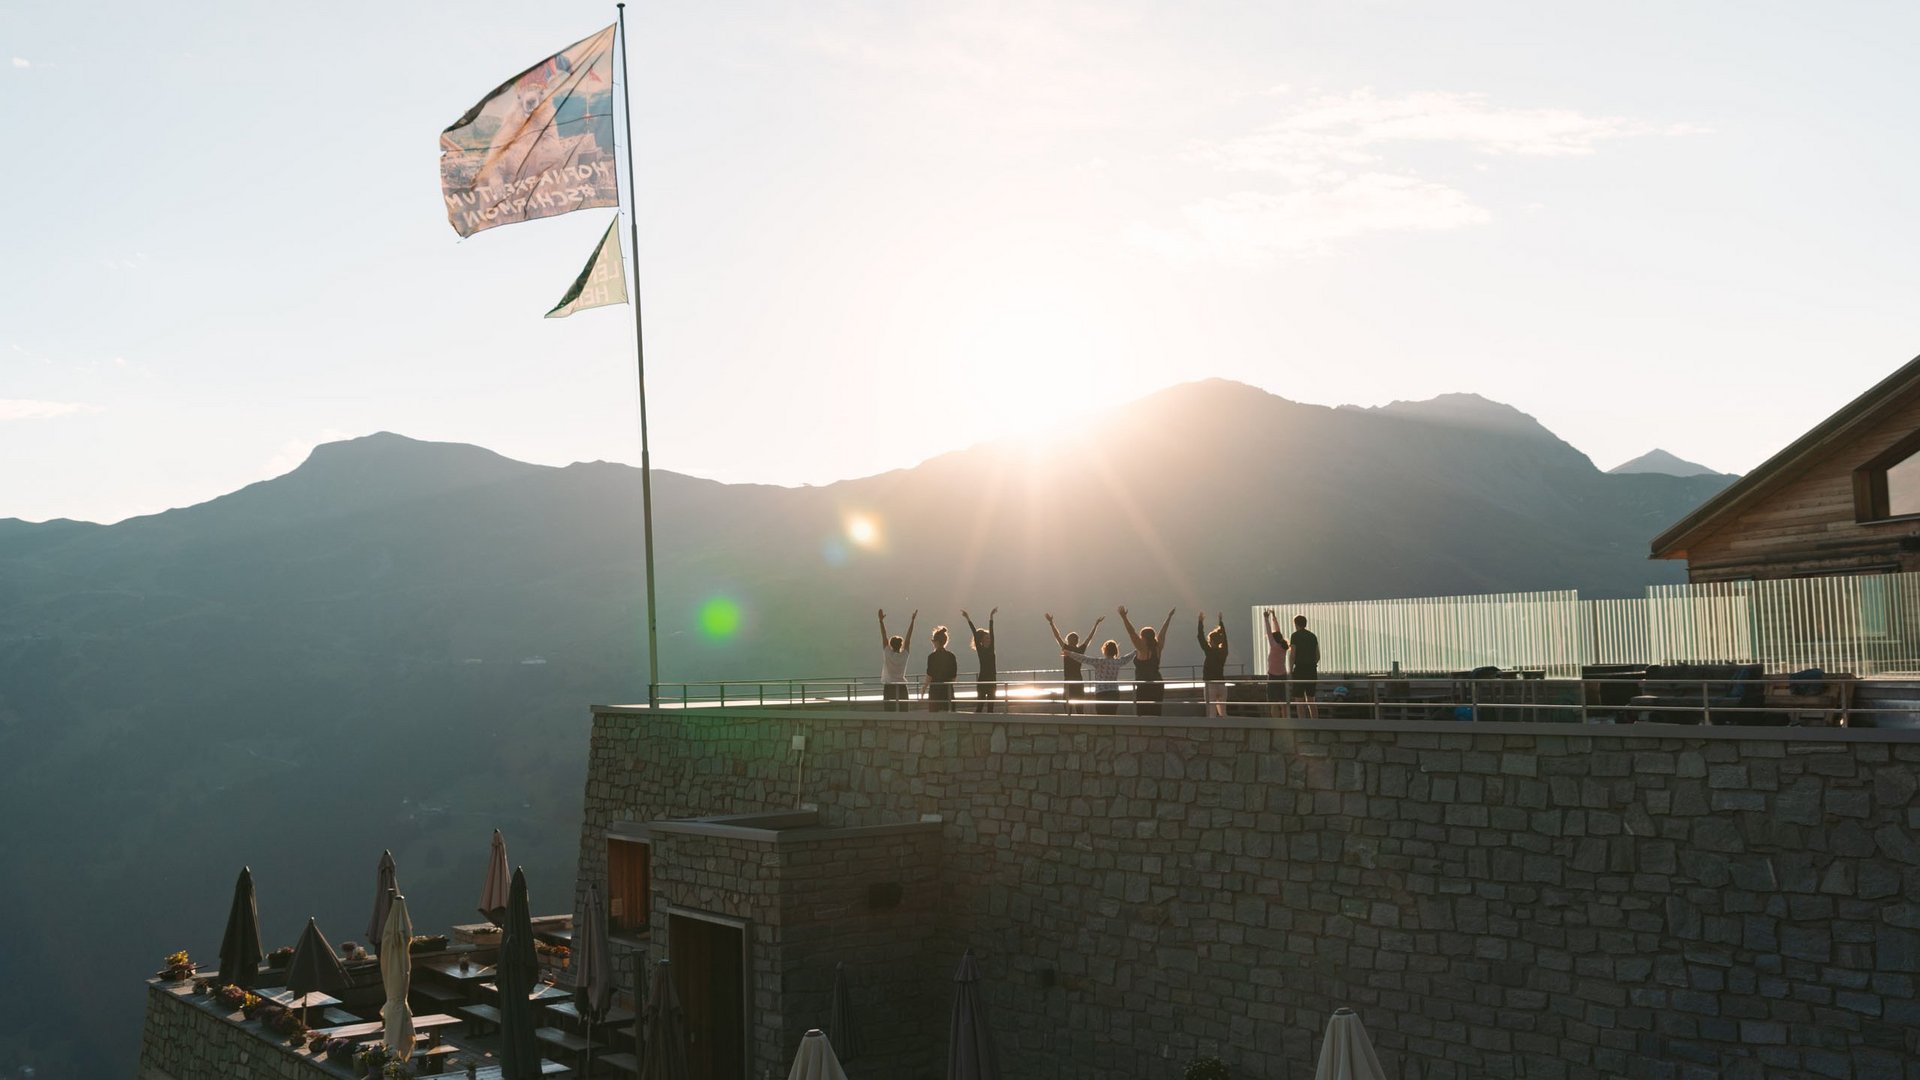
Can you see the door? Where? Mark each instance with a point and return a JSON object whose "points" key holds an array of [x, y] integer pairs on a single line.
{"points": [[708, 961]]}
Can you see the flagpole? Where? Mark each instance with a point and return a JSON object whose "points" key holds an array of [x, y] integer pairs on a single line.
{"points": [[640, 367]]}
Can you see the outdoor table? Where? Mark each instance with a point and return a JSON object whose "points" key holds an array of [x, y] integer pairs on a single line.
{"points": [[318, 999], [448, 967], [541, 993], [547, 1068], [570, 1014], [421, 1025]]}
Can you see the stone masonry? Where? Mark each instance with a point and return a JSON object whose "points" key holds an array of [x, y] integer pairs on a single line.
{"points": [[1495, 899], [188, 1038], [803, 895]]}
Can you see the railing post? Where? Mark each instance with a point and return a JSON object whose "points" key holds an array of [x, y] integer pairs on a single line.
{"points": [[1706, 705], [1473, 699]]}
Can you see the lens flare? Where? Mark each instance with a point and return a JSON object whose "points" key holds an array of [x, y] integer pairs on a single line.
{"points": [[863, 531], [719, 618]]}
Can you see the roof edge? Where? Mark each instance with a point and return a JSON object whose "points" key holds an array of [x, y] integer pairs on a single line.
{"points": [[1673, 542]]}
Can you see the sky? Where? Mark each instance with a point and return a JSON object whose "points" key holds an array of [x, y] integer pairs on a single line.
{"points": [[871, 233]]}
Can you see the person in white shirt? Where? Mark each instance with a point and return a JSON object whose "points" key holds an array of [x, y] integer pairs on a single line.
{"points": [[893, 664], [1103, 671]]}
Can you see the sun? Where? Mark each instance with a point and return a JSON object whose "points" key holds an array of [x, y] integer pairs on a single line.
{"points": [[863, 531]]}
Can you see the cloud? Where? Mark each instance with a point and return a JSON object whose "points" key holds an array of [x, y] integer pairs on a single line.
{"points": [[22, 62], [1350, 128], [1329, 162], [1249, 228], [28, 409]]}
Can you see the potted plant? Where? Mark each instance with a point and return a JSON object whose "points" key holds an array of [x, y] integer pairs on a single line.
{"points": [[372, 1061], [178, 967], [396, 1070], [425, 943], [1207, 1068], [280, 958]]}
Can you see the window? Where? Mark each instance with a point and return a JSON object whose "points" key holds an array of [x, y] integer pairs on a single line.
{"points": [[628, 885], [1889, 485]]}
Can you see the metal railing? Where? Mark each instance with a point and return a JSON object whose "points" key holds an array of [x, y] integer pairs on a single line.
{"points": [[1520, 696]]}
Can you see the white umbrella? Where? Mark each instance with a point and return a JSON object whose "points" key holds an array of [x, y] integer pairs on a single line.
{"points": [[816, 1060], [396, 971], [1346, 1053], [493, 895]]}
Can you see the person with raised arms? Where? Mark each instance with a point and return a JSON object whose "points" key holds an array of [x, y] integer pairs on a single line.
{"points": [[1214, 671], [1071, 654], [984, 684], [893, 664], [1148, 645]]}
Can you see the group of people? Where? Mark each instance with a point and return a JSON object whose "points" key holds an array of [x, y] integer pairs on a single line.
{"points": [[1293, 664]]}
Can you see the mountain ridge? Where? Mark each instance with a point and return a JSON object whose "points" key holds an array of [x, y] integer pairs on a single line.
{"points": [[307, 643]]}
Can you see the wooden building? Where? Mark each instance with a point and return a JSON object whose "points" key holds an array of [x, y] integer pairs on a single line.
{"points": [[1842, 499]]}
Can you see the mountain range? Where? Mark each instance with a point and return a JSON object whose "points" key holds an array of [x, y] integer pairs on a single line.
{"points": [[394, 645], [1660, 461]]}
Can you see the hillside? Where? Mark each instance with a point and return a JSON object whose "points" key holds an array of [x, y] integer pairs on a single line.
{"points": [[313, 668]]}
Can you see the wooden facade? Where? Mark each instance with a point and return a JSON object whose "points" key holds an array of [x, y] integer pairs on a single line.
{"points": [[1819, 506]]}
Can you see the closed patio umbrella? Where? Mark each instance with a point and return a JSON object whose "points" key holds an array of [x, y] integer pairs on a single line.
{"points": [[970, 1053], [240, 948], [396, 972], [384, 886], [519, 968], [493, 895], [840, 1030], [314, 966], [663, 1031], [1346, 1053], [592, 968], [816, 1060]]}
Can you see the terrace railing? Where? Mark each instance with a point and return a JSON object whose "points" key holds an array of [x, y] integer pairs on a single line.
{"points": [[1521, 696]]}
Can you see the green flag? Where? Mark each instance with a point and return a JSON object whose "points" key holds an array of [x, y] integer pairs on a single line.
{"points": [[603, 282]]}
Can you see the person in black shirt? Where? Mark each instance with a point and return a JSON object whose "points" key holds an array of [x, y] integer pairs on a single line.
{"points": [[1148, 690], [1070, 661], [942, 669], [984, 686], [1214, 673], [1305, 650]]}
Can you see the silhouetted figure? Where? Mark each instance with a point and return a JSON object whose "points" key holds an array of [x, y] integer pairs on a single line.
{"points": [[1305, 649], [1070, 657], [1148, 691], [1213, 672], [985, 684], [942, 668], [893, 664], [1278, 701]]}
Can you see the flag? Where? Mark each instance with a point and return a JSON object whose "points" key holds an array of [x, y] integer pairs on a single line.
{"points": [[540, 144], [602, 282]]}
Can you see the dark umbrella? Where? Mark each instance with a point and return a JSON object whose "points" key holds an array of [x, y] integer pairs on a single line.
{"points": [[240, 948], [663, 1031], [592, 969], [519, 968], [493, 894], [970, 1054], [385, 884], [314, 966], [840, 1030]]}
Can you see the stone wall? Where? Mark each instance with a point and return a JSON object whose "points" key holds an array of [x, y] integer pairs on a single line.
{"points": [[803, 895], [1495, 900], [187, 1038]]}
